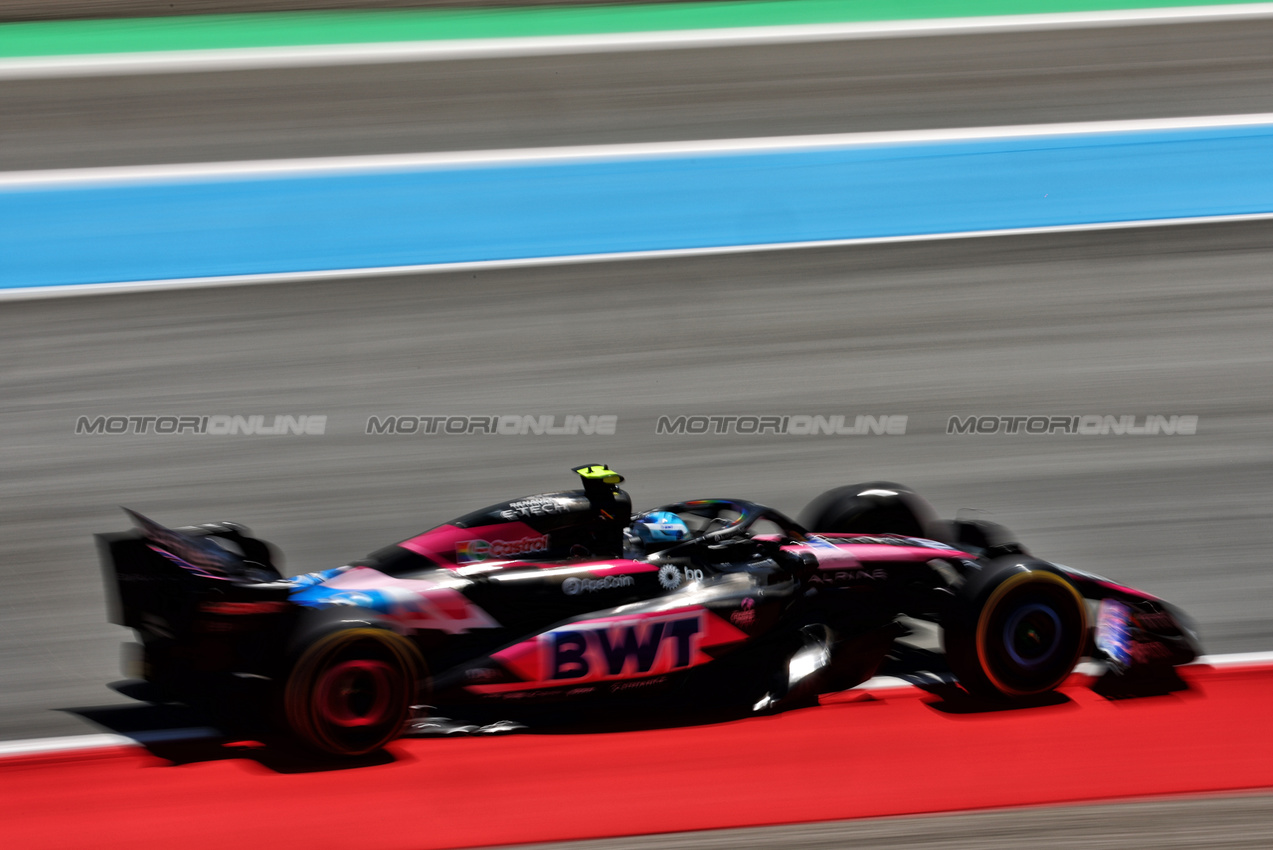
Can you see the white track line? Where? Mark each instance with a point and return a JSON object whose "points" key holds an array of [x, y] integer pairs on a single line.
{"points": [[251, 58], [317, 166], [35, 746], [39, 292], [1237, 659], [309, 167]]}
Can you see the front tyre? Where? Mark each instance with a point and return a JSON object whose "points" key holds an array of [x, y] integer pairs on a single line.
{"points": [[1017, 632], [350, 691]]}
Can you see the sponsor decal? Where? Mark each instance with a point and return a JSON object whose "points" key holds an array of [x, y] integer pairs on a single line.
{"points": [[840, 578], [536, 506], [629, 649], [597, 652], [745, 615], [1155, 622], [619, 687], [1113, 637], [468, 551], [574, 585], [672, 576]]}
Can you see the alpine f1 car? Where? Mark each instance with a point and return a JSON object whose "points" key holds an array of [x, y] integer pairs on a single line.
{"points": [[565, 598]]}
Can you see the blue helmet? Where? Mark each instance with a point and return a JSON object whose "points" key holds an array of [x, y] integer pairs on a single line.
{"points": [[660, 527]]}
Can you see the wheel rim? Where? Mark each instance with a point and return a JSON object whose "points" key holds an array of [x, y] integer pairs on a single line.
{"points": [[1031, 635], [350, 691], [355, 694]]}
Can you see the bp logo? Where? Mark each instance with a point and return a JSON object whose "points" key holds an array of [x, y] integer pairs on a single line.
{"points": [[670, 576]]}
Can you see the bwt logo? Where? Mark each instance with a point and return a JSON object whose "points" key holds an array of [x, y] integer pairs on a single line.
{"points": [[626, 650], [467, 551]]}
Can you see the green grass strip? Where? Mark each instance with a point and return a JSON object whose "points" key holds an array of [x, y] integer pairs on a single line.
{"points": [[280, 29]]}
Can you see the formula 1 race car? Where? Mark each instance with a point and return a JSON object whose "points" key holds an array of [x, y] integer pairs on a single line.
{"points": [[565, 599]]}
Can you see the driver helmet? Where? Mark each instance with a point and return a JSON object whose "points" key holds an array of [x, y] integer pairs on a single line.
{"points": [[659, 529]]}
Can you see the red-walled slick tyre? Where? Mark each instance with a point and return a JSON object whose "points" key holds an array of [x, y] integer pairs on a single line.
{"points": [[350, 691]]}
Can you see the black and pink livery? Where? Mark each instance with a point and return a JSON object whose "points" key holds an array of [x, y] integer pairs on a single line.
{"points": [[547, 600]]}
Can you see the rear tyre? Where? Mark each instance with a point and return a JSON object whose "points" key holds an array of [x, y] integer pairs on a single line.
{"points": [[350, 691], [1017, 632], [876, 507]]}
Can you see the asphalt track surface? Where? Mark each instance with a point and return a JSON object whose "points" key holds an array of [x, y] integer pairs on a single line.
{"points": [[1168, 320], [1157, 825]]}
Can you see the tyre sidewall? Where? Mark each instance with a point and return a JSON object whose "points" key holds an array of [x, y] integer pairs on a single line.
{"points": [[1007, 599], [380, 666]]}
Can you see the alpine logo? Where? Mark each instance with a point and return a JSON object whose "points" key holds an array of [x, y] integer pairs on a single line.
{"points": [[630, 649], [839, 578]]}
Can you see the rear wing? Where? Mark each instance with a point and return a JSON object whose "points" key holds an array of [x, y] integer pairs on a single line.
{"points": [[158, 578]]}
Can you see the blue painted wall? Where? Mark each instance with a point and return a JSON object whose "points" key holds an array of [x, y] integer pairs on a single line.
{"points": [[196, 228]]}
